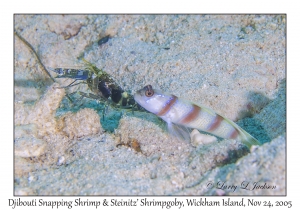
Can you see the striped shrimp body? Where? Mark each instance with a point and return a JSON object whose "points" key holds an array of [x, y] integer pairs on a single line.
{"points": [[175, 111]]}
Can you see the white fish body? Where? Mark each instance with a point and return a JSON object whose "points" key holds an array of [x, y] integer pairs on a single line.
{"points": [[180, 112]]}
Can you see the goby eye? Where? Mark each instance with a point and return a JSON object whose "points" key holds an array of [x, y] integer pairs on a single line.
{"points": [[149, 91]]}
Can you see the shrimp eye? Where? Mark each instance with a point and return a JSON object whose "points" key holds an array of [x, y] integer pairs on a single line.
{"points": [[149, 91]]}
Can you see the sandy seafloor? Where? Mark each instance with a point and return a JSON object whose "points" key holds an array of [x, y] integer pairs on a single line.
{"points": [[234, 64]]}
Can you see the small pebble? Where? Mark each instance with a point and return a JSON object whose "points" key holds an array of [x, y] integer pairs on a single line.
{"points": [[61, 160], [103, 40]]}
